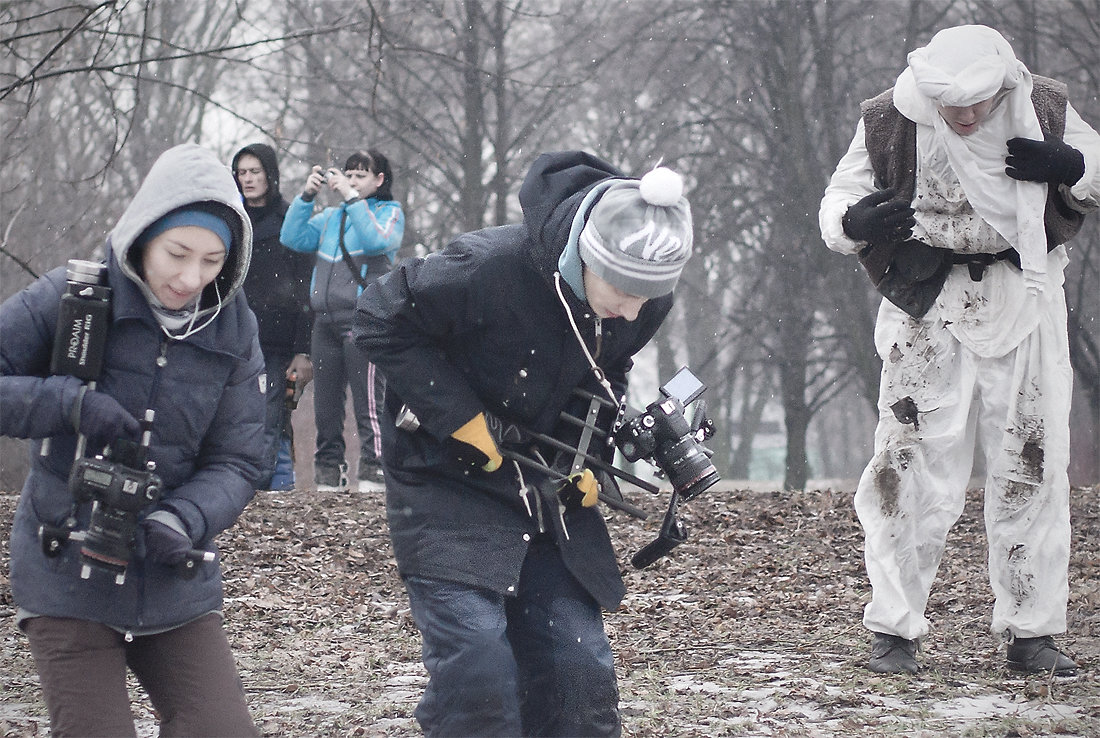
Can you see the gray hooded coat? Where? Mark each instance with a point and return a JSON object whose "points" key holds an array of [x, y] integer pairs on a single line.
{"points": [[206, 391]]}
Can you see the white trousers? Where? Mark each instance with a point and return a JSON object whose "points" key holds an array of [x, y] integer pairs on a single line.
{"points": [[913, 490]]}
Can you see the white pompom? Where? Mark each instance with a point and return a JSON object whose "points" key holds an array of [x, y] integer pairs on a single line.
{"points": [[661, 186]]}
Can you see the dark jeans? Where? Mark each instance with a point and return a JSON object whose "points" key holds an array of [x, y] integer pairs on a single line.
{"points": [[188, 672], [338, 364], [275, 364], [538, 663]]}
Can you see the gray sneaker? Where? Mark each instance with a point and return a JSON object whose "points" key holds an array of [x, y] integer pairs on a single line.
{"points": [[891, 654], [1039, 655], [332, 478], [371, 478]]}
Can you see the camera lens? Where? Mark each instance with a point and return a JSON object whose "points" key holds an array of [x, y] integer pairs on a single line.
{"points": [[690, 471]]}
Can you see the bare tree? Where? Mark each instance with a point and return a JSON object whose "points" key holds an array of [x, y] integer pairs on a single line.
{"points": [[754, 101], [96, 94], [460, 95]]}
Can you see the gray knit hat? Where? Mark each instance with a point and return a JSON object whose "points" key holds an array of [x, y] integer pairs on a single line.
{"points": [[638, 235]]}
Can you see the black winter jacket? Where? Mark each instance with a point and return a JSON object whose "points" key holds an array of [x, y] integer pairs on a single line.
{"points": [[277, 284], [480, 326]]}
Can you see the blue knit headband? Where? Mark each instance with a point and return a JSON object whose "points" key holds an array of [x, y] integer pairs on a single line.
{"points": [[199, 218]]}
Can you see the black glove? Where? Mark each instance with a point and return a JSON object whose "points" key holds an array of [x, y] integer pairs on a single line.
{"points": [[478, 442], [505, 433], [580, 489], [104, 421], [1051, 161], [163, 545], [879, 218]]}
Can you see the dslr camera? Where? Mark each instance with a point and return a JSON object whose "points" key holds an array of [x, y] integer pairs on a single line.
{"points": [[119, 486], [663, 434]]}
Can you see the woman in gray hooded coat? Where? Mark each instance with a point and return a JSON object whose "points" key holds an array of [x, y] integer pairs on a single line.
{"points": [[183, 343]]}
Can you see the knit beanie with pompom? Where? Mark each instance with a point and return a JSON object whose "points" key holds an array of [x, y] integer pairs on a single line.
{"points": [[638, 236]]}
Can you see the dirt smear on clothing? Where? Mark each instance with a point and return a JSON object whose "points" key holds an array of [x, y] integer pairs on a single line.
{"points": [[751, 628]]}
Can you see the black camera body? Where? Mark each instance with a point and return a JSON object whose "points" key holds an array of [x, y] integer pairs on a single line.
{"points": [[662, 433], [119, 491]]}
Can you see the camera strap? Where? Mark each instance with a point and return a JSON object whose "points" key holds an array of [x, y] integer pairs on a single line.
{"points": [[371, 261]]}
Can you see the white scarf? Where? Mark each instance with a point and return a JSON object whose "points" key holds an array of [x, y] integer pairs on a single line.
{"points": [[963, 66]]}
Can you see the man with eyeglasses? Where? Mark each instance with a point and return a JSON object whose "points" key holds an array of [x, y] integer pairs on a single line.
{"points": [[958, 192], [277, 288]]}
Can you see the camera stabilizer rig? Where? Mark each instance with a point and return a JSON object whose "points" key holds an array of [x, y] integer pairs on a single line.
{"points": [[121, 483], [661, 435]]}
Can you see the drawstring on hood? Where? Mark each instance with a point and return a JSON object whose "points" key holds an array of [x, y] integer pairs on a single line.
{"points": [[596, 370]]}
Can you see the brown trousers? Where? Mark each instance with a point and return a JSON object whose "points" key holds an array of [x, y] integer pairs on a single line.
{"points": [[189, 673]]}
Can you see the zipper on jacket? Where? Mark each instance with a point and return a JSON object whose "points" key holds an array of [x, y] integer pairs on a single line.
{"points": [[599, 337]]}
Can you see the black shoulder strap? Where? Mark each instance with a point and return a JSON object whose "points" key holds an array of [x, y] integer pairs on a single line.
{"points": [[347, 257]]}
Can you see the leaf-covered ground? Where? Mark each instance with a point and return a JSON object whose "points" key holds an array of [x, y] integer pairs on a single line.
{"points": [[752, 628]]}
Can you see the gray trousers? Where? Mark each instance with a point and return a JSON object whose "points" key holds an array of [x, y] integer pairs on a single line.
{"points": [[337, 365]]}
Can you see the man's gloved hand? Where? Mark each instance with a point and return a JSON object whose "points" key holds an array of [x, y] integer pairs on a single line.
{"points": [[103, 420], [505, 433], [1051, 161], [879, 218], [580, 489], [476, 445], [480, 439], [163, 543]]}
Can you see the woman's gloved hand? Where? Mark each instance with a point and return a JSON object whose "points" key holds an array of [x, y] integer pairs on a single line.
{"points": [[164, 544], [102, 419]]}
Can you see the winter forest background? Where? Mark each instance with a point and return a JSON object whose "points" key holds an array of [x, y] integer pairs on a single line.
{"points": [[753, 101]]}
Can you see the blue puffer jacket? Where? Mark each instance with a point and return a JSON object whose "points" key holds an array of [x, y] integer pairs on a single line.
{"points": [[206, 391], [373, 230]]}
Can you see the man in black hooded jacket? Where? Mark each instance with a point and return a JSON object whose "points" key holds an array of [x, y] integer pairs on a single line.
{"points": [[507, 566], [277, 288]]}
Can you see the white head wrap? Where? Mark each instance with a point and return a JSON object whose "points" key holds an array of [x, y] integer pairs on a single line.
{"points": [[962, 66]]}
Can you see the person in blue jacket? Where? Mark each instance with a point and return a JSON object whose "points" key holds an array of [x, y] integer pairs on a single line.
{"points": [[355, 242], [507, 566], [183, 343]]}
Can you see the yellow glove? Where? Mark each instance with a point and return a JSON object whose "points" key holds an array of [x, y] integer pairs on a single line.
{"points": [[580, 488], [475, 434]]}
